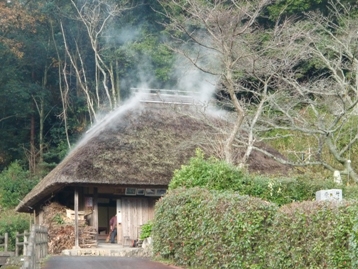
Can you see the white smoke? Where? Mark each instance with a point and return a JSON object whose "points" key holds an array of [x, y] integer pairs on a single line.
{"points": [[106, 121], [190, 79]]}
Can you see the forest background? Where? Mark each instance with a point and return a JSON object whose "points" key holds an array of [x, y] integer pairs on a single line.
{"points": [[285, 71]]}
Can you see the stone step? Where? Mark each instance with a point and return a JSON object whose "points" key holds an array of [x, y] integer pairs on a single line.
{"points": [[100, 251]]}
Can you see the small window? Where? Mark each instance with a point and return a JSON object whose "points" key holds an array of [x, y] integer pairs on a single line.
{"points": [[131, 191]]}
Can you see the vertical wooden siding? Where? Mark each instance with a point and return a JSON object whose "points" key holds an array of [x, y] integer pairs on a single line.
{"points": [[136, 212]]}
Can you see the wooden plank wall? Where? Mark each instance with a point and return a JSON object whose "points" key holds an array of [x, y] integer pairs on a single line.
{"points": [[136, 212]]}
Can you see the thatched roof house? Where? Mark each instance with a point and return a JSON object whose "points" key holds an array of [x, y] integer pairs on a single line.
{"points": [[120, 163], [139, 147]]}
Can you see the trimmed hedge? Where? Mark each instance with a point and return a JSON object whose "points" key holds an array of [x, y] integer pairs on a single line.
{"points": [[312, 235], [210, 229], [217, 227], [353, 243], [203, 228]]}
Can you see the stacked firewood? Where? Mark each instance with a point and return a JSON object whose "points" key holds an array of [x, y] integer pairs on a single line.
{"points": [[61, 230], [63, 237], [87, 237], [60, 238]]}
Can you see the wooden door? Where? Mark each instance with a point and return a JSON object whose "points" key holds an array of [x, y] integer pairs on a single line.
{"points": [[136, 212]]}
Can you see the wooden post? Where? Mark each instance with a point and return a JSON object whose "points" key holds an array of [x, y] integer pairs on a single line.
{"points": [[46, 241], [41, 244], [24, 250], [76, 218], [95, 211], [17, 244], [6, 241], [34, 213]]}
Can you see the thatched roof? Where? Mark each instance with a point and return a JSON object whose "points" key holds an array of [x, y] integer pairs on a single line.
{"points": [[139, 146]]}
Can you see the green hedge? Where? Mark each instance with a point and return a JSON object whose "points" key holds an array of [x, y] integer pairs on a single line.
{"points": [[214, 174], [220, 227], [211, 229], [202, 228], [353, 243], [313, 235]]}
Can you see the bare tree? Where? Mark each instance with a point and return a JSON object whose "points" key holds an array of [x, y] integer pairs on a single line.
{"points": [[96, 15], [219, 37], [81, 75], [262, 71], [64, 89], [321, 105]]}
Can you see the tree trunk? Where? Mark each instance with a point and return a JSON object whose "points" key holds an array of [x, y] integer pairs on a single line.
{"points": [[32, 155], [117, 81], [228, 147]]}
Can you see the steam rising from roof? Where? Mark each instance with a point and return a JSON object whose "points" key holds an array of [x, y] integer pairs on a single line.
{"points": [[193, 85], [105, 120]]}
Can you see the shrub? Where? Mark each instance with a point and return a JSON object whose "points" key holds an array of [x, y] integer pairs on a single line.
{"points": [[350, 192], [212, 174], [146, 230], [219, 175], [312, 235], [284, 190], [211, 229], [15, 183], [216, 227], [12, 222], [353, 243], [220, 229]]}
